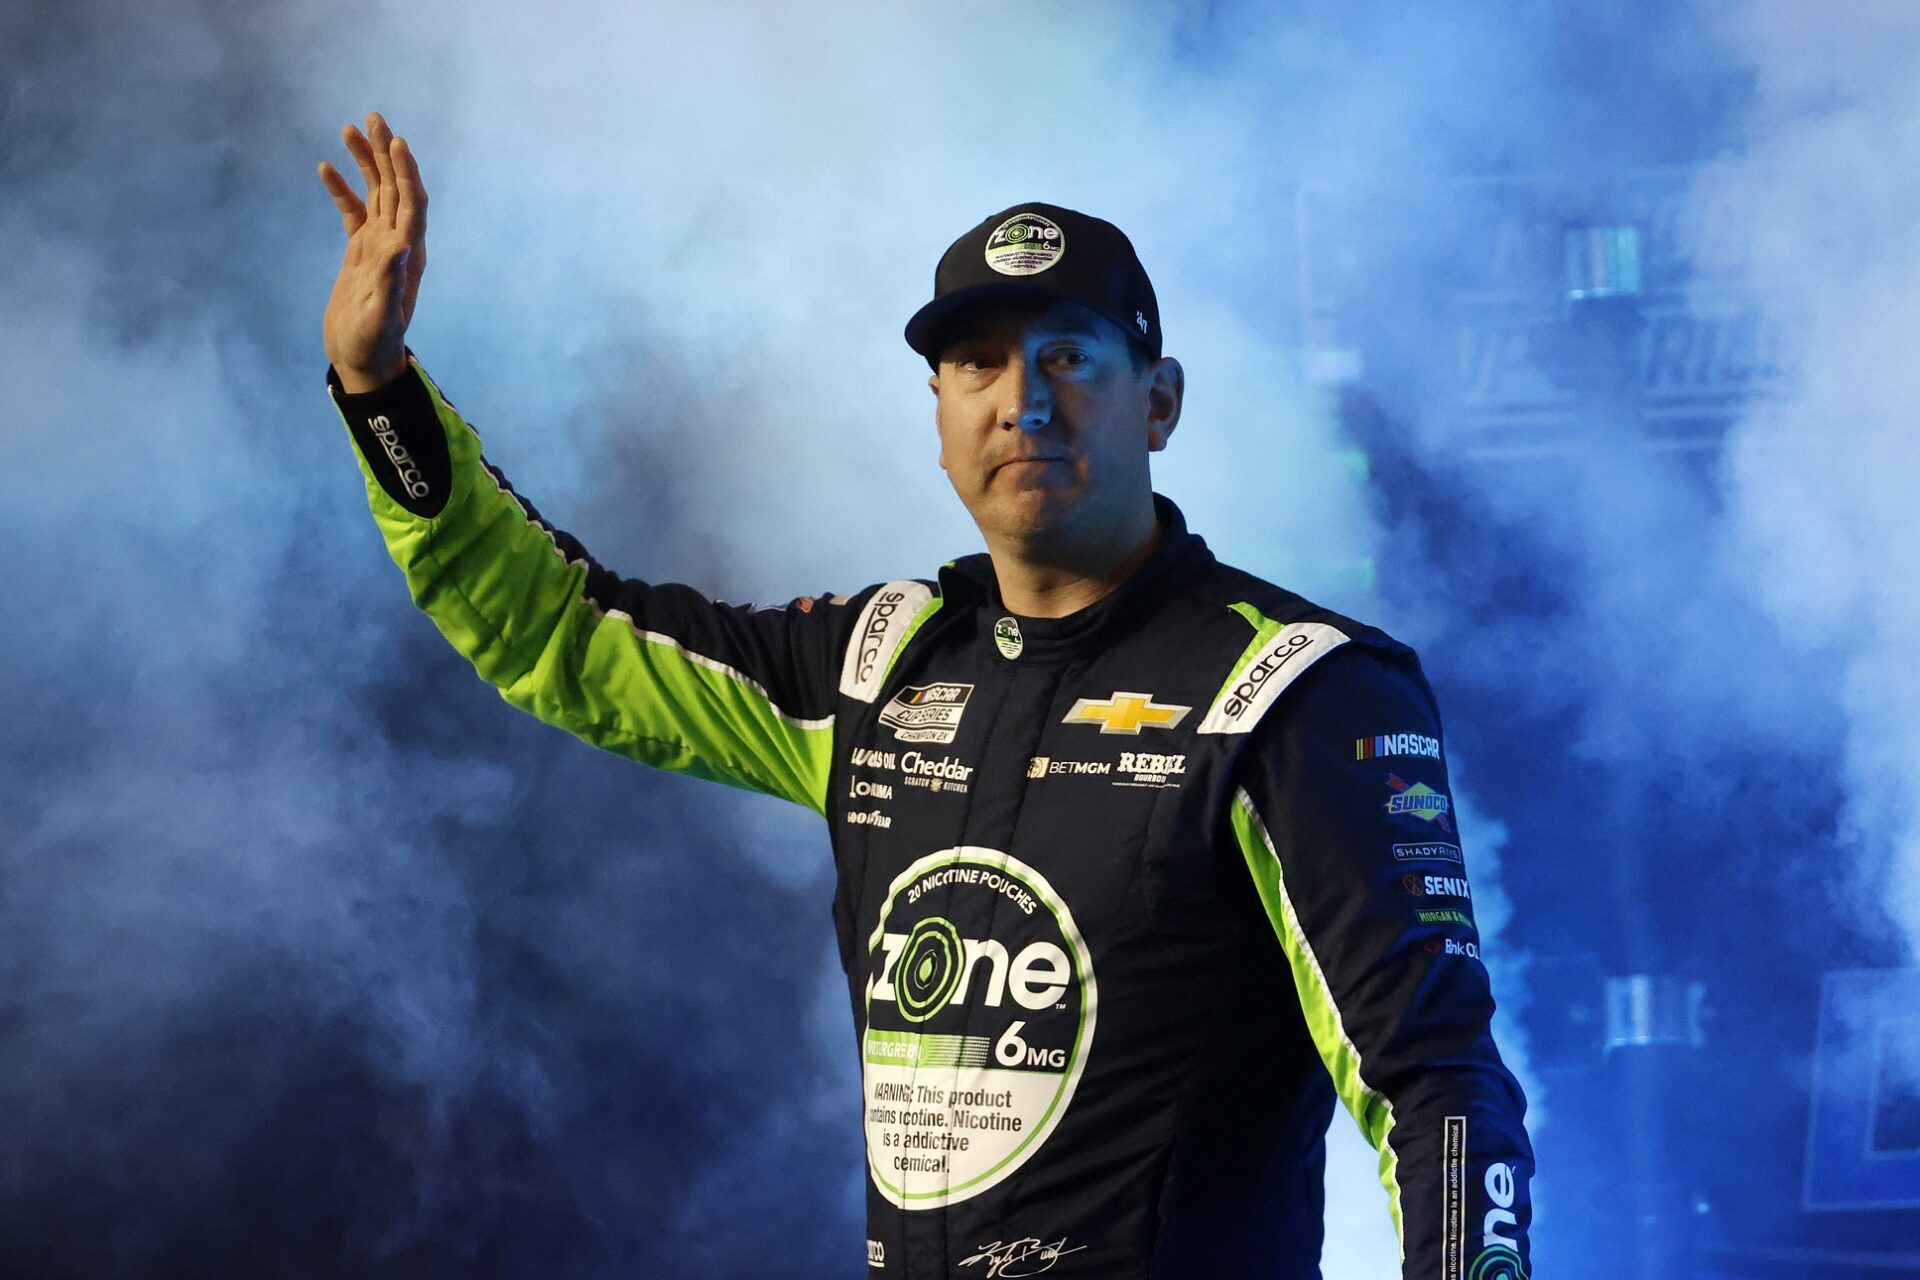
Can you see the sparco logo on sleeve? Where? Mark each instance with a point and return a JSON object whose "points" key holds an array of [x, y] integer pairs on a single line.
{"points": [[980, 1006], [877, 634], [1297, 646], [403, 466], [926, 712]]}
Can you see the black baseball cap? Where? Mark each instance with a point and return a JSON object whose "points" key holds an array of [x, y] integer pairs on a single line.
{"points": [[1037, 250]]}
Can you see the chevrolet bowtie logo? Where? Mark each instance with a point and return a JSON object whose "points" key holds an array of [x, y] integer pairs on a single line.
{"points": [[1126, 713]]}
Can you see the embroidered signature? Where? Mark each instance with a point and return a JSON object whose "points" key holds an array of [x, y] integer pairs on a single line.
{"points": [[1008, 1259]]}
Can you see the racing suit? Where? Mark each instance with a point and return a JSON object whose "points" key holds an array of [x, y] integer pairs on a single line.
{"points": [[1125, 899]]}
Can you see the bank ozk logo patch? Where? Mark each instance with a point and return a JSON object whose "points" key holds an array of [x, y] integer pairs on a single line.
{"points": [[1025, 245], [926, 712], [980, 1011]]}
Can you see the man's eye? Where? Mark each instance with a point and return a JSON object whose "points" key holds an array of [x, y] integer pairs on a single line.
{"points": [[1072, 357]]}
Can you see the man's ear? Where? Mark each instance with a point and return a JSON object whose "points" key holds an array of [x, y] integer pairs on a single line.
{"points": [[1166, 387]]}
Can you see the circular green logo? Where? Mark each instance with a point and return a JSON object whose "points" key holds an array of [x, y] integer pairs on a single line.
{"points": [[1497, 1263], [929, 968], [980, 1011]]}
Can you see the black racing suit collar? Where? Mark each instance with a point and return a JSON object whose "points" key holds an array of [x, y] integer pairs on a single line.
{"points": [[970, 581]]}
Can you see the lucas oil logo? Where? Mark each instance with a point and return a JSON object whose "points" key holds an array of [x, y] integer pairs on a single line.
{"points": [[926, 712], [1418, 800], [1025, 244], [980, 1003]]}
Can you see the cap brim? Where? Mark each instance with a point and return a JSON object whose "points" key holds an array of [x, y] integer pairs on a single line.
{"points": [[923, 330]]}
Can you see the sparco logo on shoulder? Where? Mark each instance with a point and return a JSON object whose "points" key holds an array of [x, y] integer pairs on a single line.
{"points": [[1259, 673], [879, 618]]}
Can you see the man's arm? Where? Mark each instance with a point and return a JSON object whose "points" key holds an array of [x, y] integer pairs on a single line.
{"points": [[1346, 821], [655, 672]]}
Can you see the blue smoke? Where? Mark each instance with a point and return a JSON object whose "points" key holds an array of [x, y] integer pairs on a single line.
{"points": [[313, 950]]}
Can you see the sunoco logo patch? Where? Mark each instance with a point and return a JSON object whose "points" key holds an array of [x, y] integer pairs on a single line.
{"points": [[926, 712], [980, 1013], [1025, 245], [1418, 800]]}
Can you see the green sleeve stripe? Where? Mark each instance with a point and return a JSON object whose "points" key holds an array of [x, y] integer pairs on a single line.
{"points": [[498, 588], [1370, 1110], [919, 620], [713, 664], [1264, 630]]}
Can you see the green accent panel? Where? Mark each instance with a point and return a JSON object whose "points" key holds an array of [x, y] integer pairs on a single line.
{"points": [[926, 1049], [1370, 1110], [497, 588], [1264, 630], [914, 624]]}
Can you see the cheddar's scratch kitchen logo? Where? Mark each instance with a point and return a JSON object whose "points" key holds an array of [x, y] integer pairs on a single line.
{"points": [[1418, 800]]}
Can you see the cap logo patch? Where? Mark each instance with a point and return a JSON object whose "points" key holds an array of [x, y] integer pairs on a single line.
{"points": [[1025, 245], [1007, 638]]}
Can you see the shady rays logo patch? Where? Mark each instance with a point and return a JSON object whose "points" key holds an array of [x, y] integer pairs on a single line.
{"points": [[980, 1010], [1418, 800]]}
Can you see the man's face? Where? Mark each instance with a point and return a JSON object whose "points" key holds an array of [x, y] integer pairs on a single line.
{"points": [[1045, 423]]}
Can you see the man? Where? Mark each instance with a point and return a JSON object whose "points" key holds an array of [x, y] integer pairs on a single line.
{"points": [[1141, 860]]}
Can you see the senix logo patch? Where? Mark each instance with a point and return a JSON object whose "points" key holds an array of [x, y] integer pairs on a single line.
{"points": [[1396, 744], [926, 712], [980, 1009], [1418, 800], [1437, 886], [1025, 244]]}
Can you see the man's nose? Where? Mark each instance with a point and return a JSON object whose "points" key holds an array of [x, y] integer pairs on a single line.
{"points": [[1029, 404]]}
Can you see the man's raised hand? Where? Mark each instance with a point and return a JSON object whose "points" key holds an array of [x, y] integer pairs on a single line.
{"points": [[373, 296]]}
